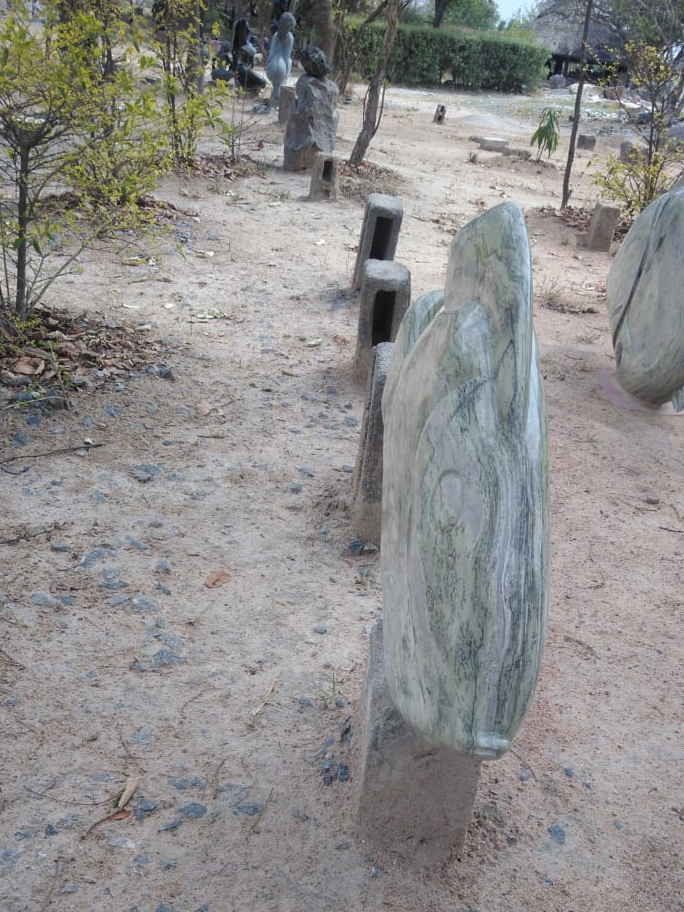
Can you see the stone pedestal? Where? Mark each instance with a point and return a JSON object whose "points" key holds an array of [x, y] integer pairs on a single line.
{"points": [[379, 232], [413, 800], [367, 482], [384, 299], [286, 104], [604, 221], [324, 177]]}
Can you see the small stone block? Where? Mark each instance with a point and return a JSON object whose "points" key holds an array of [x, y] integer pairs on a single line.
{"points": [[440, 114], [286, 103], [379, 232], [413, 800], [384, 299], [604, 221], [492, 144], [367, 481], [324, 177], [586, 141]]}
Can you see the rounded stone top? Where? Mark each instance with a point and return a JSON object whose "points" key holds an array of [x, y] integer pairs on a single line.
{"points": [[314, 61]]}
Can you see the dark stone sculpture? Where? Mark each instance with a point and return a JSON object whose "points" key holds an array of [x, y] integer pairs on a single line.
{"points": [[313, 123]]}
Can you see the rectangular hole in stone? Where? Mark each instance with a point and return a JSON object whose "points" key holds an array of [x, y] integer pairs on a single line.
{"points": [[328, 169], [383, 317], [381, 241]]}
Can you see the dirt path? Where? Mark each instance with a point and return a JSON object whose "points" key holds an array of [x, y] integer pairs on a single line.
{"points": [[179, 604]]}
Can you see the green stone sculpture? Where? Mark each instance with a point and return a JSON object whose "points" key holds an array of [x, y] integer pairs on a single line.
{"points": [[465, 497], [644, 305]]}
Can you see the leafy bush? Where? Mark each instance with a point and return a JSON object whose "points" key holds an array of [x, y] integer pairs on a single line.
{"points": [[474, 60]]}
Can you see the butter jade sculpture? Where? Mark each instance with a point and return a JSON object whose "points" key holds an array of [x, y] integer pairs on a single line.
{"points": [[465, 535], [644, 308]]}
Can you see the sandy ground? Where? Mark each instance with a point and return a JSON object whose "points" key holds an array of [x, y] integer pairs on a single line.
{"points": [[179, 605]]}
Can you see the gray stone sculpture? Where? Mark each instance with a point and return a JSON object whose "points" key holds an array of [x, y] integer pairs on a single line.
{"points": [[279, 62], [313, 122], [644, 305], [465, 498]]}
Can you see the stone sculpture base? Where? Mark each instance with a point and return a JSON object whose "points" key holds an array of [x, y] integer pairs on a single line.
{"points": [[413, 800], [325, 180], [384, 299], [367, 482], [379, 232]]}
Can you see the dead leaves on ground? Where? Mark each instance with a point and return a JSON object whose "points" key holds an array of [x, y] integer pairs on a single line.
{"points": [[74, 345]]}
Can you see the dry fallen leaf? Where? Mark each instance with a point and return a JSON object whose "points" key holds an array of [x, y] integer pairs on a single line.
{"points": [[119, 815], [128, 792], [216, 578], [28, 366]]}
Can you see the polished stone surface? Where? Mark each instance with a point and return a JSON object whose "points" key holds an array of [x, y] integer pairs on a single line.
{"points": [[465, 534], [645, 303]]}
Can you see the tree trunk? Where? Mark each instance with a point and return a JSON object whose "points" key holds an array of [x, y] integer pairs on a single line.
{"points": [[578, 105], [319, 15], [370, 113], [440, 9]]}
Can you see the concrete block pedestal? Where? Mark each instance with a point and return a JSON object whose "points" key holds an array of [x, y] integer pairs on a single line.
{"points": [[412, 799]]}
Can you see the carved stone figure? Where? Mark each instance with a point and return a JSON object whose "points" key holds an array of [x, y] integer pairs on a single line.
{"points": [[644, 304], [465, 498], [279, 62], [313, 122]]}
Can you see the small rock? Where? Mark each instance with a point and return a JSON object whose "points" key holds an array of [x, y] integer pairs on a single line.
{"points": [[43, 599], [165, 657], [249, 810], [558, 833], [320, 628], [192, 811]]}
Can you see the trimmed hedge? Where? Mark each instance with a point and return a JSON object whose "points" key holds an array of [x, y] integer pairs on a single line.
{"points": [[474, 60]]}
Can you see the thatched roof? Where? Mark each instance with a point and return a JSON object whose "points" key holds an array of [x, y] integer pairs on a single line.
{"points": [[561, 32]]}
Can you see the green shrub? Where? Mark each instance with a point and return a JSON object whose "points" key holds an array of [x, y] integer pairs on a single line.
{"points": [[475, 60]]}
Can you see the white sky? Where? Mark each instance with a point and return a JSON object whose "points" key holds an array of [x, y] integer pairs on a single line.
{"points": [[509, 8]]}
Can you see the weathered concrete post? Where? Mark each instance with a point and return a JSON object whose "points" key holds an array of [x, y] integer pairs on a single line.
{"points": [[383, 301], [604, 221], [379, 232], [286, 103], [440, 114], [324, 177], [367, 480]]}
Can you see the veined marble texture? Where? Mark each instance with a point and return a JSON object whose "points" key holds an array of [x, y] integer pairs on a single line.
{"points": [[645, 309], [465, 535]]}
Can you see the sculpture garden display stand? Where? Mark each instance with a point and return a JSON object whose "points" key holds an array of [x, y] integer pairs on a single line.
{"points": [[383, 301], [464, 544], [379, 232]]}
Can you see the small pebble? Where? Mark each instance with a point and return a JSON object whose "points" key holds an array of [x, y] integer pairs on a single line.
{"points": [[192, 811], [320, 628], [165, 657], [249, 810], [558, 833]]}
